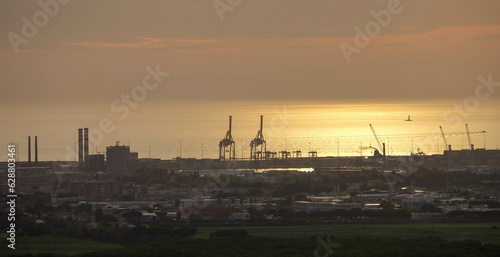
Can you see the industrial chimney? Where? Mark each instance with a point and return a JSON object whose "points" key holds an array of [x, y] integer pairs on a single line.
{"points": [[36, 151], [29, 150], [80, 146], [86, 146]]}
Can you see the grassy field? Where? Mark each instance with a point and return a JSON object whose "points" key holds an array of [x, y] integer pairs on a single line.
{"points": [[482, 232], [60, 245]]}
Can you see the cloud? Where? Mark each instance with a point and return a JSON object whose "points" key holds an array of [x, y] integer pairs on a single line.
{"points": [[147, 42]]}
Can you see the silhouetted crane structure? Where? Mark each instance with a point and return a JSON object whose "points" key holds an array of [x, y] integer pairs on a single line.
{"points": [[227, 144], [382, 146], [444, 139], [468, 137], [467, 132], [258, 144]]}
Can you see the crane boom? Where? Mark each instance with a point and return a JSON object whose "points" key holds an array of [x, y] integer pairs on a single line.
{"points": [[444, 138], [378, 142], [468, 134]]}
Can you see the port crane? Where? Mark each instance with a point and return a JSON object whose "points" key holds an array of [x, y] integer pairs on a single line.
{"points": [[468, 136], [466, 132], [227, 144], [382, 147], [258, 144], [444, 138]]}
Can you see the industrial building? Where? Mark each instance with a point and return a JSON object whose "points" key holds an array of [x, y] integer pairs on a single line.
{"points": [[120, 160], [96, 162], [416, 202]]}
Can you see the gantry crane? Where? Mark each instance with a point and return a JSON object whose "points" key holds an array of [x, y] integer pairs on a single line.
{"points": [[227, 144], [258, 144]]}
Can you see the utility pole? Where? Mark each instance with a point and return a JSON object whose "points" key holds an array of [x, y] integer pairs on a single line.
{"points": [[338, 147]]}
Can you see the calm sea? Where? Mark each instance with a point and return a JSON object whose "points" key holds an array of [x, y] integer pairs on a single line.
{"points": [[168, 130]]}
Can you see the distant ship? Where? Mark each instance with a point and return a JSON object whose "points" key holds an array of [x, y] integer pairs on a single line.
{"points": [[409, 118]]}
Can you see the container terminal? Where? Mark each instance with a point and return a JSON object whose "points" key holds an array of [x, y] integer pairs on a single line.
{"points": [[119, 159]]}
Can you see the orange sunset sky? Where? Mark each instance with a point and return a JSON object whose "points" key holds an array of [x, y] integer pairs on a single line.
{"points": [[63, 63], [279, 49]]}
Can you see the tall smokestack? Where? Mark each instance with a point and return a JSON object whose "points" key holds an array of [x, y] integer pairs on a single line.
{"points": [[86, 145], [383, 149], [29, 150], [80, 145], [36, 151], [261, 121]]}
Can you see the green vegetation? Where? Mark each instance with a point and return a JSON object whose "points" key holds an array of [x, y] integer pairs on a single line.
{"points": [[59, 245], [402, 239], [482, 232], [290, 247]]}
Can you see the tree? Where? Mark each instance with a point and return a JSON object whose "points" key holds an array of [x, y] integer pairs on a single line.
{"points": [[54, 187], [133, 216], [255, 214], [386, 205], [84, 208], [98, 215], [196, 216], [430, 208], [221, 216], [63, 184], [255, 192], [144, 189], [66, 206]]}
